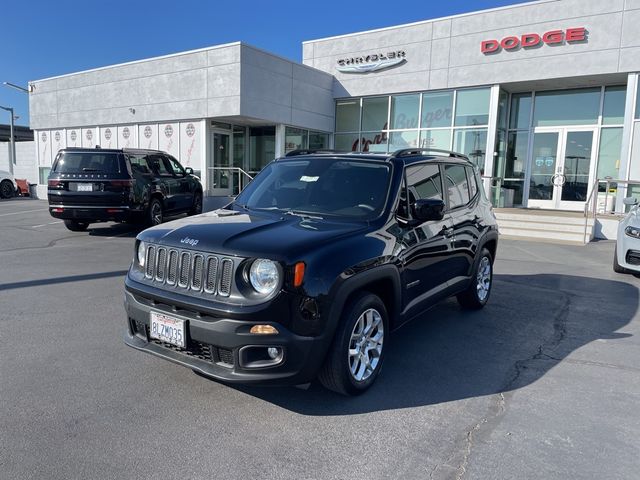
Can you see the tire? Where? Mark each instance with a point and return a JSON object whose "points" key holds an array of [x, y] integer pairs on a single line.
{"points": [[616, 266], [477, 294], [76, 226], [196, 209], [6, 189], [155, 213], [348, 369]]}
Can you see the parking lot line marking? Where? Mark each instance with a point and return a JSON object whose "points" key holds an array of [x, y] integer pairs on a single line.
{"points": [[24, 211], [45, 224]]}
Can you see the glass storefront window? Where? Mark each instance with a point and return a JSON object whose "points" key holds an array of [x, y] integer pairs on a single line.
{"points": [[404, 111], [318, 140], [436, 109], [638, 102], [374, 114], [473, 143], [609, 153], [567, 107], [472, 107], [346, 142], [44, 174], [262, 147], [373, 142], [516, 159], [503, 104], [348, 115], [294, 138], [440, 139], [613, 109], [398, 140], [520, 111]]}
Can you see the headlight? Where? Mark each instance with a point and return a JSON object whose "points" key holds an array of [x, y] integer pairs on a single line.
{"points": [[142, 253], [264, 276], [632, 232]]}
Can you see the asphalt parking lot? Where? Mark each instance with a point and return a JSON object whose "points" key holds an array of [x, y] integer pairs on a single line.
{"points": [[543, 383]]}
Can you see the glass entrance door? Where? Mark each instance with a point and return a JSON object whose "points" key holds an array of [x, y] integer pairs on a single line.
{"points": [[561, 168], [221, 179]]}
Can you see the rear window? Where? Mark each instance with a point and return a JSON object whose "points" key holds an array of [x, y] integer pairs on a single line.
{"points": [[87, 162]]}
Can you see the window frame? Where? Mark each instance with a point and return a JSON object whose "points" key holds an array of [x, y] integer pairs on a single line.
{"points": [[447, 202], [405, 185]]}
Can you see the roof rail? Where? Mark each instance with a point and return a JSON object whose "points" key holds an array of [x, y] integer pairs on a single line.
{"points": [[310, 151], [408, 152]]}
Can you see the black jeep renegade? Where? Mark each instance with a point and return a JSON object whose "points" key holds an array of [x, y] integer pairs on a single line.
{"points": [[308, 270], [96, 185]]}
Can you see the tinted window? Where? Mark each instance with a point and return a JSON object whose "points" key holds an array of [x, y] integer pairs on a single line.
{"points": [[456, 185], [139, 164], [321, 186], [157, 165], [87, 162], [424, 182], [473, 185], [174, 166]]}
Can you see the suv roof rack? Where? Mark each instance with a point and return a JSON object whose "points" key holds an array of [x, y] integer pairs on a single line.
{"points": [[310, 151], [409, 152]]}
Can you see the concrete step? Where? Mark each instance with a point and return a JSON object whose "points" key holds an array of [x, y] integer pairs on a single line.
{"points": [[550, 227], [545, 235], [537, 218]]}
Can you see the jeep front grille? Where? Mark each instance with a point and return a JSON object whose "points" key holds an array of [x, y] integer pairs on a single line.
{"points": [[190, 271]]}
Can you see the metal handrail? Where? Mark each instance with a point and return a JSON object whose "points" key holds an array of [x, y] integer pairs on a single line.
{"points": [[242, 174]]}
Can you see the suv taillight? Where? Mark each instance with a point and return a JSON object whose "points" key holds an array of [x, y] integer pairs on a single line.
{"points": [[56, 184], [123, 183]]}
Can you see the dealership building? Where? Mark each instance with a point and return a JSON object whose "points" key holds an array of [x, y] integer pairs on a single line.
{"points": [[542, 96]]}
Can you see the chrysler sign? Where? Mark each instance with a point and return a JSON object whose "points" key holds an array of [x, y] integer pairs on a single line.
{"points": [[534, 40], [371, 63]]}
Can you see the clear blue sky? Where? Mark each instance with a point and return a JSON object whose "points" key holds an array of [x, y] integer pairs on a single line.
{"points": [[44, 38]]}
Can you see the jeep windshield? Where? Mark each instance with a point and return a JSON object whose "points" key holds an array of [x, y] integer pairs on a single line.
{"points": [[319, 187], [87, 162]]}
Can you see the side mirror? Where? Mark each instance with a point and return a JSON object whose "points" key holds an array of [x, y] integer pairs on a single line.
{"points": [[425, 209], [630, 201], [188, 170]]}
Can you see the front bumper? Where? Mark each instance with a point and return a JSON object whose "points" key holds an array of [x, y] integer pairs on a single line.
{"points": [[214, 344]]}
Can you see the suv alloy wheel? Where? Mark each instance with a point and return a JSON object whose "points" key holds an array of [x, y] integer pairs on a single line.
{"points": [[477, 295], [355, 358], [155, 212]]}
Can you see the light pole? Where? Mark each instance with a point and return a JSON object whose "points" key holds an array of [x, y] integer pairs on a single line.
{"points": [[18, 87], [12, 160]]}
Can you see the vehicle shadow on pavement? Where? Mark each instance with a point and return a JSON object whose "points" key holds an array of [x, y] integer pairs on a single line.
{"points": [[532, 323]]}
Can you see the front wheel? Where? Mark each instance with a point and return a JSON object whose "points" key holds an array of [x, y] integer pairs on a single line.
{"points": [[6, 189], [196, 208], [616, 266], [155, 212], [355, 358], [477, 294], [76, 226]]}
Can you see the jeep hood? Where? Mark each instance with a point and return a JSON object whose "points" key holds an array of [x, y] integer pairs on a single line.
{"points": [[249, 234]]}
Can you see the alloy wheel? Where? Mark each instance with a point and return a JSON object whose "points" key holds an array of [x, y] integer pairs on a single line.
{"points": [[365, 345], [483, 278]]}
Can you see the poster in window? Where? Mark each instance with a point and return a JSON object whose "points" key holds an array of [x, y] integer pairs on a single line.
{"points": [[73, 137], [108, 137], [58, 141], [90, 137], [148, 135], [190, 144], [44, 148], [127, 136], [169, 138]]}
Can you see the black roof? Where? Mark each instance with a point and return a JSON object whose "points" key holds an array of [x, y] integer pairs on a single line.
{"points": [[110, 150], [20, 133]]}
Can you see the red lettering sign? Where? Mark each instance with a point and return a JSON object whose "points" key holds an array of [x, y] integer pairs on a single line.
{"points": [[532, 40]]}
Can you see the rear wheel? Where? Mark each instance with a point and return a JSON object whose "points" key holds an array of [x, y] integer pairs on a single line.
{"points": [[355, 358], [196, 209], [76, 226], [6, 189], [477, 294], [155, 213], [616, 266]]}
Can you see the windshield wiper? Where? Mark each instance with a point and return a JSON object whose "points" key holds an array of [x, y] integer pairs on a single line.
{"points": [[302, 214]]}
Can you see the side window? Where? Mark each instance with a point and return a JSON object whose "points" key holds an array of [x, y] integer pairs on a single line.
{"points": [[424, 182], [473, 183], [139, 164], [174, 166], [456, 185], [158, 166]]}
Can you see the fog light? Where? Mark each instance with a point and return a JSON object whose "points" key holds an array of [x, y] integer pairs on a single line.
{"points": [[264, 330], [274, 352]]}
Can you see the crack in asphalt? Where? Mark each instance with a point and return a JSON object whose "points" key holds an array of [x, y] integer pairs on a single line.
{"points": [[499, 406]]}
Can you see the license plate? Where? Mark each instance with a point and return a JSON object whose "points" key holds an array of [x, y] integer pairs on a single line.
{"points": [[85, 187], [167, 329]]}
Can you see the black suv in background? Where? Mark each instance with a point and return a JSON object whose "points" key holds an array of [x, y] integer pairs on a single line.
{"points": [[98, 185], [310, 268]]}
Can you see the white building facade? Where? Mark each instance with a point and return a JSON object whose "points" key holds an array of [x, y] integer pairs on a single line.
{"points": [[542, 96]]}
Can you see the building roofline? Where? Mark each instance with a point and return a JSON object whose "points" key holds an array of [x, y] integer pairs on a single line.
{"points": [[432, 20], [160, 57]]}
